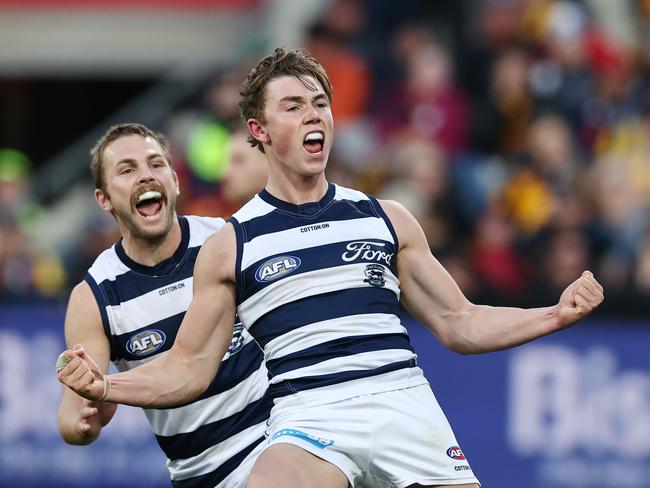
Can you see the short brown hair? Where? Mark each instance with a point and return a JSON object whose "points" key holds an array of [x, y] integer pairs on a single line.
{"points": [[114, 133], [283, 62]]}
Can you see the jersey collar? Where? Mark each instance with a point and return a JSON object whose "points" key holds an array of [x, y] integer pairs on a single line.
{"points": [[304, 209], [166, 265]]}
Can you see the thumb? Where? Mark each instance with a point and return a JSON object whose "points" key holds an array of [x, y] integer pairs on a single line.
{"points": [[79, 350]]}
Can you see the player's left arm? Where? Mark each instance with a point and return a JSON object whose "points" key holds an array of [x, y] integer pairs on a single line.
{"points": [[432, 296], [186, 370], [81, 421]]}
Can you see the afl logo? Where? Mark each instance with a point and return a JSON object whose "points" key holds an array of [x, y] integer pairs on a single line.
{"points": [[276, 268], [455, 452], [146, 342]]}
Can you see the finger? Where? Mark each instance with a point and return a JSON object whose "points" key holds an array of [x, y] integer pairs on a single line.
{"points": [[81, 352], [598, 286], [87, 379], [587, 295], [72, 371], [93, 366], [62, 361], [582, 304], [75, 370], [590, 284], [87, 412], [78, 349], [592, 279], [84, 426]]}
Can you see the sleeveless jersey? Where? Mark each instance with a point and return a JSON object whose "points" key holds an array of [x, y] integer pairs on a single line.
{"points": [[317, 287], [142, 308]]}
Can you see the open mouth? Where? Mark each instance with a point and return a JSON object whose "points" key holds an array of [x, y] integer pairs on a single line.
{"points": [[314, 142], [149, 203]]}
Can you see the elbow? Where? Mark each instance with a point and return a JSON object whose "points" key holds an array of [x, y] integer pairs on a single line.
{"points": [[199, 387], [457, 344], [456, 334]]}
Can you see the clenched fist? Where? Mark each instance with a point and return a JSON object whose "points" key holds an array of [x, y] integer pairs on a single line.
{"points": [[579, 299], [82, 375]]}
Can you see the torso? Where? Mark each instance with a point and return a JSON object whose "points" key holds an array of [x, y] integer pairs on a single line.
{"points": [[318, 289], [142, 308]]}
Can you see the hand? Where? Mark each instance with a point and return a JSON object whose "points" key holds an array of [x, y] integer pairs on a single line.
{"points": [[92, 417], [81, 374], [579, 299]]}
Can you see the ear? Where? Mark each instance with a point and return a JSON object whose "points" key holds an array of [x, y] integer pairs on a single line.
{"points": [[178, 189], [258, 131], [103, 200]]}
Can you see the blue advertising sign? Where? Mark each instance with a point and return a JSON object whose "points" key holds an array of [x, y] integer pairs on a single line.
{"points": [[32, 453], [571, 410]]}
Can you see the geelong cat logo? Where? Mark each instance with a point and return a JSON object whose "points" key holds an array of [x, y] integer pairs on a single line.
{"points": [[375, 275], [276, 268], [146, 342], [237, 341], [455, 452]]}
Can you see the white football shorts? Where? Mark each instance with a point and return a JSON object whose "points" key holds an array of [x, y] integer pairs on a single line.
{"points": [[388, 439], [237, 478]]}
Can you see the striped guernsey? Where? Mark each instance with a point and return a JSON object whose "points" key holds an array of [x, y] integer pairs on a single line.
{"points": [[142, 308], [317, 287]]}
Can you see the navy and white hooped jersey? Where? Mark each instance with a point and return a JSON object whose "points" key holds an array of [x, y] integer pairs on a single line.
{"points": [[317, 287], [142, 308]]}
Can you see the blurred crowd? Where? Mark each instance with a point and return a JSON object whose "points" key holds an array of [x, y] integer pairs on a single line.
{"points": [[516, 131]]}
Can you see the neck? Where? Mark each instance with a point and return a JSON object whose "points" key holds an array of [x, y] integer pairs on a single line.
{"points": [[298, 190], [150, 252]]}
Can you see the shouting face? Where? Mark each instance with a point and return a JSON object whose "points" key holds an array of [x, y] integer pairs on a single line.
{"points": [[140, 189], [297, 128]]}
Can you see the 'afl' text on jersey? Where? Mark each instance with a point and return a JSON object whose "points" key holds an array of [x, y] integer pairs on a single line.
{"points": [[317, 287], [142, 308]]}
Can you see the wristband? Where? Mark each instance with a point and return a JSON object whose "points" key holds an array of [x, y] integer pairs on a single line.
{"points": [[107, 389]]}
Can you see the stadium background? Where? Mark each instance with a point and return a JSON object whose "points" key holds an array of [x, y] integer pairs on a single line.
{"points": [[517, 131]]}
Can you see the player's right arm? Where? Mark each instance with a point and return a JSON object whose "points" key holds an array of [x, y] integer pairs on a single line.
{"points": [[80, 420], [186, 370]]}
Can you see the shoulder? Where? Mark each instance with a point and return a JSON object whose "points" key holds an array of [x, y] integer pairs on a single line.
{"points": [[82, 302], [255, 207], [208, 223], [201, 228], [107, 266], [218, 254], [395, 211], [343, 193], [406, 226]]}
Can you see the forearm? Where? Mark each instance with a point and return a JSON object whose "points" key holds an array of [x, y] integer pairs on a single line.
{"points": [[481, 328], [164, 382]]}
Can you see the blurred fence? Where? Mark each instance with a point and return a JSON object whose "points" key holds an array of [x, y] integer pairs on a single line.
{"points": [[568, 411]]}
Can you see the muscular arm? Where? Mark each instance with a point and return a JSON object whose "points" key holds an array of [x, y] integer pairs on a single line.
{"points": [[432, 296], [80, 421], [186, 370]]}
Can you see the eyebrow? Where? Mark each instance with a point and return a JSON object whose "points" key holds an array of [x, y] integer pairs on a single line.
{"points": [[300, 99], [131, 160]]}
